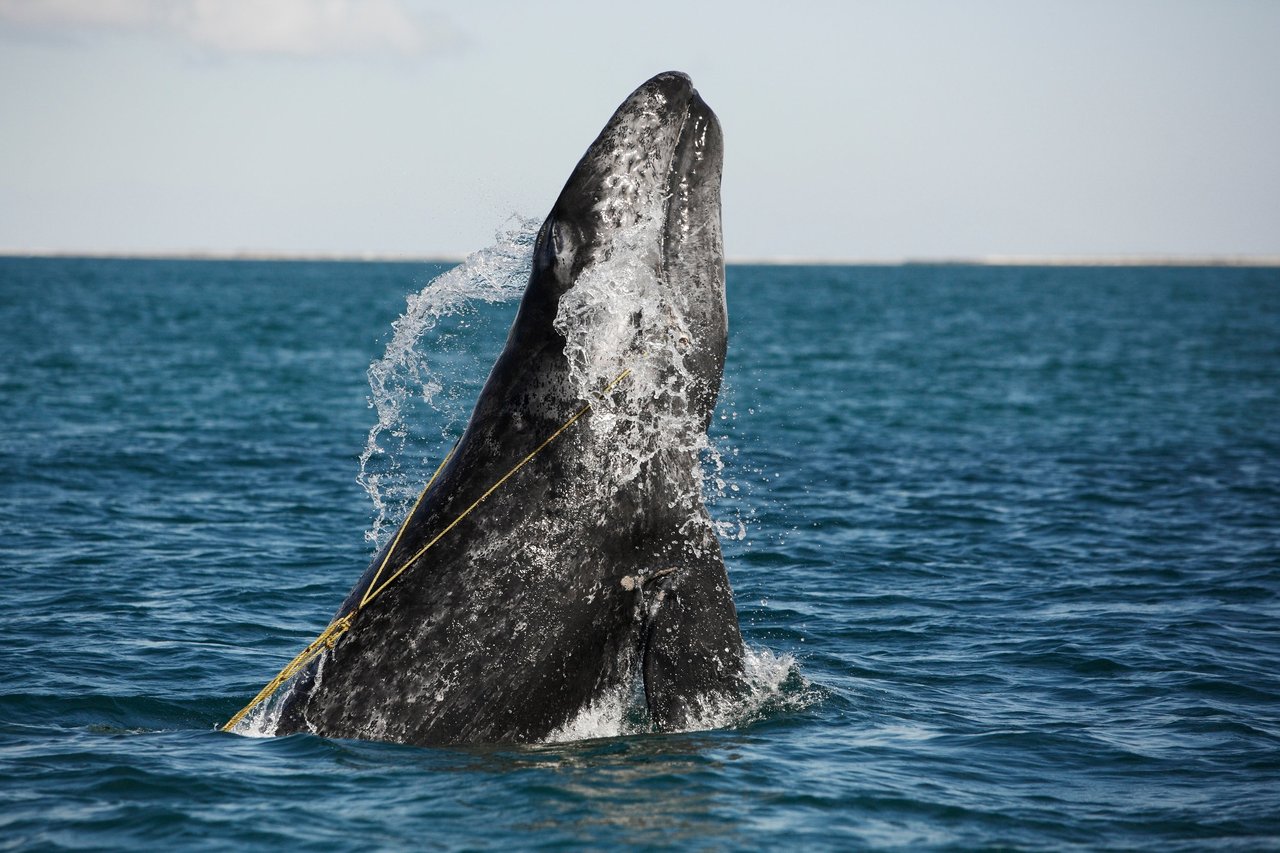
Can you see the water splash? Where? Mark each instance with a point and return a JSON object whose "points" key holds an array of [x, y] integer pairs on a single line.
{"points": [[773, 686], [618, 316], [263, 720], [405, 386]]}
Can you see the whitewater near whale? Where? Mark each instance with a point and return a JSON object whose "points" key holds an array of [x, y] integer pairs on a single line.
{"points": [[563, 552]]}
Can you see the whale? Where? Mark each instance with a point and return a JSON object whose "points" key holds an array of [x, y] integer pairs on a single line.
{"points": [[563, 553]]}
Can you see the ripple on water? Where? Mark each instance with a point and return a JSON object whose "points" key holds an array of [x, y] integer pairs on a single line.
{"points": [[1012, 532]]}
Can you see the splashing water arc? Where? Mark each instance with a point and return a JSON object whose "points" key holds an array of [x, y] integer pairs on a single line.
{"points": [[596, 318], [389, 471]]}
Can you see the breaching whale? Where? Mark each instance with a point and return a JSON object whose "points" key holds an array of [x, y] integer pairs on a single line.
{"points": [[563, 552]]}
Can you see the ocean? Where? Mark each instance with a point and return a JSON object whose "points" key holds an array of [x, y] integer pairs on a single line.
{"points": [[1009, 538]]}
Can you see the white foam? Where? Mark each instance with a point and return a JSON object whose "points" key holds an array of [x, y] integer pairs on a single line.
{"points": [[611, 714], [263, 720], [621, 712]]}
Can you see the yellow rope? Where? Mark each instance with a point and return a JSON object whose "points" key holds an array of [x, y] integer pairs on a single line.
{"points": [[404, 525], [494, 487], [329, 637], [326, 640]]}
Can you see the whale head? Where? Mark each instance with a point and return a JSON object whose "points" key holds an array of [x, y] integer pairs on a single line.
{"points": [[631, 253]]}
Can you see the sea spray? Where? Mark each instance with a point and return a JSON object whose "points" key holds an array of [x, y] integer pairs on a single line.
{"points": [[405, 376]]}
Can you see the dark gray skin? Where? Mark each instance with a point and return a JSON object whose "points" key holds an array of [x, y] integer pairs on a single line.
{"points": [[568, 581]]}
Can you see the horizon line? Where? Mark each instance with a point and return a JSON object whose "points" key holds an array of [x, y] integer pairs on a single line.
{"points": [[1082, 260]]}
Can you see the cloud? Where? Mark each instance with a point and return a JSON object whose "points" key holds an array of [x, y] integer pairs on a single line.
{"points": [[300, 28]]}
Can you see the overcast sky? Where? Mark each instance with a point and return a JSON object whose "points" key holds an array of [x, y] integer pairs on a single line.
{"points": [[865, 130]]}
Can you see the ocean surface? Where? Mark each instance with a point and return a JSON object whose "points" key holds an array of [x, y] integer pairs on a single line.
{"points": [[1010, 534]]}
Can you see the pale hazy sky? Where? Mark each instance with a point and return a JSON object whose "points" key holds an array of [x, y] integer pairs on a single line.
{"points": [[871, 130]]}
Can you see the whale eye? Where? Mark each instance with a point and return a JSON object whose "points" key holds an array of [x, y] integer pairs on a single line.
{"points": [[550, 244]]}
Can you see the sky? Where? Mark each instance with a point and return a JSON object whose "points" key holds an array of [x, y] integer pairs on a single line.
{"points": [[903, 129]]}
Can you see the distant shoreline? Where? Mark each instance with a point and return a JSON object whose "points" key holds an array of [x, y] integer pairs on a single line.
{"points": [[1136, 260]]}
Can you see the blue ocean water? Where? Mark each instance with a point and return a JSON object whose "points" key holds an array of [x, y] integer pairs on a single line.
{"points": [[1019, 529]]}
